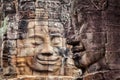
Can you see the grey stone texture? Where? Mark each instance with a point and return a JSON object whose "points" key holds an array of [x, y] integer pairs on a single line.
{"points": [[95, 24]]}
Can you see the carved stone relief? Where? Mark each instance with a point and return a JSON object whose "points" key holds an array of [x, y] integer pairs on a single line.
{"points": [[35, 44], [92, 27], [26, 9]]}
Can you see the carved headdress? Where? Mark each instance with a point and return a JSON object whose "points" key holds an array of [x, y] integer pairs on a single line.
{"points": [[88, 5]]}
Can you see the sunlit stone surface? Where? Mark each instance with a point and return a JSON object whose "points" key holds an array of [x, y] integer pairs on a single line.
{"points": [[35, 45]]}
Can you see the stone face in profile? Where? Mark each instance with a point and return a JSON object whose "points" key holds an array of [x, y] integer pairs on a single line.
{"points": [[93, 23]]}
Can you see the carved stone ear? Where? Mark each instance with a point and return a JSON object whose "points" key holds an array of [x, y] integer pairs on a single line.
{"points": [[100, 4]]}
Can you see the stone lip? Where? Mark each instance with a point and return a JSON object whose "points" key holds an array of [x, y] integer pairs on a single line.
{"points": [[47, 58], [49, 62]]}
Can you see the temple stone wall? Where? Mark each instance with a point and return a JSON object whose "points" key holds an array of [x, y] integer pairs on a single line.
{"points": [[94, 37], [60, 40], [35, 44]]}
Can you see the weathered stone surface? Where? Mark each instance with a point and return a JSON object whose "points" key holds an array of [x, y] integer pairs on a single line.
{"points": [[95, 26], [12, 30], [9, 7], [20, 43], [42, 29], [112, 59], [13, 51], [113, 41], [26, 9], [93, 41], [41, 14], [30, 32], [44, 78], [10, 43], [42, 46], [21, 66], [37, 43], [110, 75], [28, 51], [41, 23], [12, 35]]}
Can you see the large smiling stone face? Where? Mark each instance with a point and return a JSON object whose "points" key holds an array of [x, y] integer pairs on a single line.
{"points": [[47, 45]]}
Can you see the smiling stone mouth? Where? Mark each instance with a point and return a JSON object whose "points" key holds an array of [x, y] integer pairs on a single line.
{"points": [[43, 65], [47, 60]]}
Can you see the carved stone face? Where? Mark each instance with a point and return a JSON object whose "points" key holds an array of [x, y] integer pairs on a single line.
{"points": [[46, 56], [89, 40]]}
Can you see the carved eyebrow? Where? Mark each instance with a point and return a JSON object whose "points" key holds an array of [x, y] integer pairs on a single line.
{"points": [[55, 35], [36, 36]]}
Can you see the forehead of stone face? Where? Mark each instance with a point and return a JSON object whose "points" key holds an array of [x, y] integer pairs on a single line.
{"points": [[56, 29], [35, 28]]}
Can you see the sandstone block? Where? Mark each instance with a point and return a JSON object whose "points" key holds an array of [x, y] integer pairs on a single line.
{"points": [[112, 59], [26, 52], [21, 43], [12, 36], [113, 41], [93, 41]]}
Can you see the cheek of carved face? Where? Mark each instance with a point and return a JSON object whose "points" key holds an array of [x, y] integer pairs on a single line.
{"points": [[46, 56]]}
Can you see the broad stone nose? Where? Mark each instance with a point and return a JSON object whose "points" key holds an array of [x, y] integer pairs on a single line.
{"points": [[47, 50]]}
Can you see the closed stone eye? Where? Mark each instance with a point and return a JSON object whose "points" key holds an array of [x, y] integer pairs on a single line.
{"points": [[37, 44], [56, 41]]}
